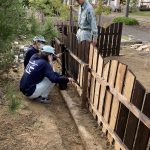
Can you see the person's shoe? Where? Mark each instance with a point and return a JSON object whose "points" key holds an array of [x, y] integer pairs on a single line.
{"points": [[42, 100], [45, 100]]}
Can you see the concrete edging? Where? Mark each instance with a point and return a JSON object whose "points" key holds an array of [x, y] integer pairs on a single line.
{"points": [[88, 138]]}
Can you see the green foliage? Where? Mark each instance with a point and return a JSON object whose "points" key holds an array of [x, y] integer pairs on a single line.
{"points": [[126, 20], [14, 101], [14, 104], [102, 9], [12, 24], [49, 7], [49, 32], [133, 5]]}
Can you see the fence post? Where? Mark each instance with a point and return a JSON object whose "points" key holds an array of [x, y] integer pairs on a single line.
{"points": [[63, 49], [85, 86]]}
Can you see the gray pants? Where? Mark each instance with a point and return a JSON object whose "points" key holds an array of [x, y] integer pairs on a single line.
{"points": [[43, 88]]}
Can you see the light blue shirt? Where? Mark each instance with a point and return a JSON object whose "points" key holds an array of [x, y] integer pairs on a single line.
{"points": [[87, 23]]}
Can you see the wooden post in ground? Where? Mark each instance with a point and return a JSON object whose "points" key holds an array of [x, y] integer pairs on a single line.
{"points": [[85, 86], [63, 49]]}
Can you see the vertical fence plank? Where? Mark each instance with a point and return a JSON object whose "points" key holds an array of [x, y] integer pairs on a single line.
{"points": [[97, 85], [105, 74], [119, 39], [100, 48], [105, 43], [132, 120], [94, 65], [114, 39], [118, 86], [108, 96], [143, 133], [142, 138], [110, 39], [123, 113]]}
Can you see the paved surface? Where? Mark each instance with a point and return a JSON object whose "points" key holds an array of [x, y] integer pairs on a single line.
{"points": [[141, 32]]}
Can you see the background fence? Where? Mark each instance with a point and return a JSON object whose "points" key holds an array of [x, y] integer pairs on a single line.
{"points": [[117, 100], [108, 42]]}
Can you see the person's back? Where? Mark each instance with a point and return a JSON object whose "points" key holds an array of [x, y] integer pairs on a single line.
{"points": [[38, 42], [30, 52]]}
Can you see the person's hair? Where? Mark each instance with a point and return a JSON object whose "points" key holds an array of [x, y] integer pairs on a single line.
{"points": [[44, 55]]}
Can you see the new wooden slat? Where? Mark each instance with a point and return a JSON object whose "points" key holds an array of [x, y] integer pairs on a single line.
{"points": [[111, 81], [91, 55], [108, 99], [81, 75], [119, 39], [91, 52], [118, 86], [97, 86], [105, 71], [94, 65], [123, 113]]}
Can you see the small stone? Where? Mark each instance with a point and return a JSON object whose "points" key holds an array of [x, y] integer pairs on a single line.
{"points": [[21, 56], [139, 49], [15, 70], [16, 42], [147, 49]]}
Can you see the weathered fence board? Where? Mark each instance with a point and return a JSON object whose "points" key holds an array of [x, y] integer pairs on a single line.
{"points": [[114, 96], [108, 42]]}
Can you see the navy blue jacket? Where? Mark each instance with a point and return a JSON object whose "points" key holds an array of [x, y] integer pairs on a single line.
{"points": [[30, 52], [35, 72]]}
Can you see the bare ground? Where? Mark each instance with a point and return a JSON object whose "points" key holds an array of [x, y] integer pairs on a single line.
{"points": [[138, 62], [36, 126]]}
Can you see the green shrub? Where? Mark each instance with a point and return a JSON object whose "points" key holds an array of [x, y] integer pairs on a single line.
{"points": [[49, 31], [126, 20], [14, 104]]}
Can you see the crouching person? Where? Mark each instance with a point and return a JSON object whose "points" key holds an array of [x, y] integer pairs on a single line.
{"points": [[39, 78]]}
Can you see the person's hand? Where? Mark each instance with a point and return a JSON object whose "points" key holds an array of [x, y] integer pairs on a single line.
{"points": [[59, 55], [71, 80], [94, 42]]}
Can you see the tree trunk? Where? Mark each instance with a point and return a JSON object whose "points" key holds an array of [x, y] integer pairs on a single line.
{"points": [[127, 8]]}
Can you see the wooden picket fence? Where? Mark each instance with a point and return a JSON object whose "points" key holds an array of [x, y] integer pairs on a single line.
{"points": [[109, 38], [114, 96]]}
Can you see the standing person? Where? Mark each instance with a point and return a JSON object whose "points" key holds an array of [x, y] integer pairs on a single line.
{"points": [[87, 23], [38, 43], [39, 78]]}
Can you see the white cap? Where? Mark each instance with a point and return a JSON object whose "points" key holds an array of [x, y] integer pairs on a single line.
{"points": [[48, 49], [39, 38]]}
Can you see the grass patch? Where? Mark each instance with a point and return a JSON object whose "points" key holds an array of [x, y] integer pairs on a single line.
{"points": [[12, 96], [141, 13], [126, 20]]}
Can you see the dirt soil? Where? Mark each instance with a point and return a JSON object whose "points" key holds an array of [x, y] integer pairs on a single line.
{"points": [[36, 126], [138, 62]]}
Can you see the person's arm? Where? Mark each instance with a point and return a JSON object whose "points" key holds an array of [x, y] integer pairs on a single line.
{"points": [[92, 21], [53, 76]]}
